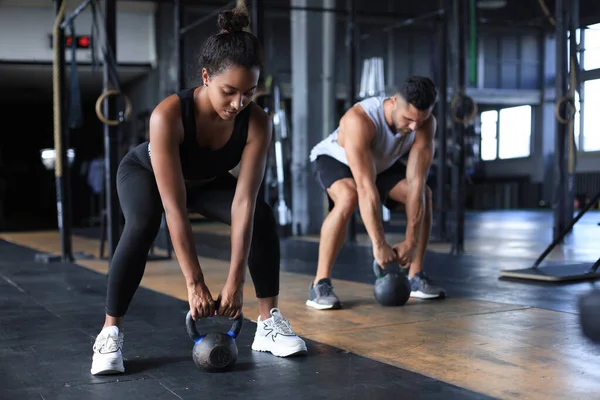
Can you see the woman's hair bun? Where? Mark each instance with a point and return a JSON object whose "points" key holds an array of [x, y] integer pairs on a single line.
{"points": [[233, 20]]}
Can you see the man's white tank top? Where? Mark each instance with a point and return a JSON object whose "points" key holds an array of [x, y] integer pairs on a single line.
{"points": [[387, 146]]}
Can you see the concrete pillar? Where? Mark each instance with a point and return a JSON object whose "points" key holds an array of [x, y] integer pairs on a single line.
{"points": [[167, 50], [328, 76], [310, 116], [391, 55]]}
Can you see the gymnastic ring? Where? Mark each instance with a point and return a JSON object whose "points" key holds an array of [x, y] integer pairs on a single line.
{"points": [[557, 110], [470, 117], [103, 96], [259, 94]]}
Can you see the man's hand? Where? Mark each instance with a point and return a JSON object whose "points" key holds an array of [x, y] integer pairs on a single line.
{"points": [[405, 251], [230, 300], [201, 302], [384, 254]]}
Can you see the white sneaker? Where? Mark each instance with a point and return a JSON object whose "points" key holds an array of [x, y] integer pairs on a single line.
{"points": [[108, 356], [276, 336]]}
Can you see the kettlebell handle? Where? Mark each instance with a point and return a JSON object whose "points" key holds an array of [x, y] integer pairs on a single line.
{"points": [[192, 329], [377, 270]]}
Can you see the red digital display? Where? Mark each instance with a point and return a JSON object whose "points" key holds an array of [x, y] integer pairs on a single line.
{"points": [[81, 41]]}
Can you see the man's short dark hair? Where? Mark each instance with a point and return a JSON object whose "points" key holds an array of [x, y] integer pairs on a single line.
{"points": [[419, 91]]}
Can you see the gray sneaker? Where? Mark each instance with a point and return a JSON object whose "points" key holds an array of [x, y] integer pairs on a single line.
{"points": [[321, 296], [423, 288]]}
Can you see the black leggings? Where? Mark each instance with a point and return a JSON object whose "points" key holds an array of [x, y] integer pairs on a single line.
{"points": [[142, 208]]}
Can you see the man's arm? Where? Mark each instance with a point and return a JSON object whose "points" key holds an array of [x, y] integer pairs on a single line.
{"points": [[358, 133], [252, 169], [417, 169]]}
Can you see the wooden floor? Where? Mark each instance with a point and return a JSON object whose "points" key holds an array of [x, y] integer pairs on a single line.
{"points": [[504, 234], [501, 350]]}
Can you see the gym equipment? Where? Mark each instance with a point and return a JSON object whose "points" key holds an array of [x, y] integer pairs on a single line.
{"points": [[372, 81], [391, 289], [589, 315], [440, 170], [581, 271], [62, 182], [123, 115], [567, 84], [48, 157], [276, 186], [280, 126], [459, 109], [406, 22], [104, 33], [215, 351]]}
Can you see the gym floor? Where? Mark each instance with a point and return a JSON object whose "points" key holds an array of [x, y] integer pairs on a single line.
{"points": [[491, 338]]}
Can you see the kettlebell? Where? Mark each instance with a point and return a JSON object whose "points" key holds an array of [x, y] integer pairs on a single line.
{"points": [[214, 351], [589, 315], [391, 288]]}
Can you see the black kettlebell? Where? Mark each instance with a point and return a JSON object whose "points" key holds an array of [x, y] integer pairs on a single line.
{"points": [[215, 351], [391, 288], [589, 315]]}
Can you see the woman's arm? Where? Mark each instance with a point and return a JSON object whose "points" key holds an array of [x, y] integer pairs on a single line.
{"points": [[166, 132], [252, 169]]}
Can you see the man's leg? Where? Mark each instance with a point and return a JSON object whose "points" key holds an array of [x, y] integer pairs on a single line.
{"points": [[422, 286], [333, 233], [336, 179], [334, 227]]}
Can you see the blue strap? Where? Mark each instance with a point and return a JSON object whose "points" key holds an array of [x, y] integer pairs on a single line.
{"points": [[199, 339], [232, 334]]}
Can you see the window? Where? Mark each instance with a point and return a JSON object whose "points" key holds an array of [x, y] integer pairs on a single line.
{"points": [[591, 45], [515, 132], [590, 126], [591, 119], [506, 133]]}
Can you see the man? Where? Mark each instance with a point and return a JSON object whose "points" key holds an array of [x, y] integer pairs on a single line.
{"points": [[359, 164]]}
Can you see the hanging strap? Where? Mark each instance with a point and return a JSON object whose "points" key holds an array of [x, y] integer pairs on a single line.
{"points": [[75, 111]]}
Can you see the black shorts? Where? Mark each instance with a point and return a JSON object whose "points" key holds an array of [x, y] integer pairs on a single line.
{"points": [[328, 170]]}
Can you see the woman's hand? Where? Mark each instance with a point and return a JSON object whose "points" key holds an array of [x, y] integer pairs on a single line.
{"points": [[201, 302], [231, 299]]}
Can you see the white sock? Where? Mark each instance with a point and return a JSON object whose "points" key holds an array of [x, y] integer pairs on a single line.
{"points": [[111, 330]]}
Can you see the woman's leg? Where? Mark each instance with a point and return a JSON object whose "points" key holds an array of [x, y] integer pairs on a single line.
{"points": [[213, 201], [142, 208], [274, 333]]}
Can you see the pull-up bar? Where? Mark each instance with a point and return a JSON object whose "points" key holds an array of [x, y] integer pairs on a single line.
{"points": [[406, 22], [206, 18]]}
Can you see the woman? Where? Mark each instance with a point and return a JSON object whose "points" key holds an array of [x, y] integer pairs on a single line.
{"points": [[196, 137]]}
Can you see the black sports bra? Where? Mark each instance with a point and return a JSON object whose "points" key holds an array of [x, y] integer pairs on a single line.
{"points": [[200, 163]]}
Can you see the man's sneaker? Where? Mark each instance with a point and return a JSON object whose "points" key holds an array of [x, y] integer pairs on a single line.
{"points": [[276, 336], [108, 356], [423, 288], [321, 296]]}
